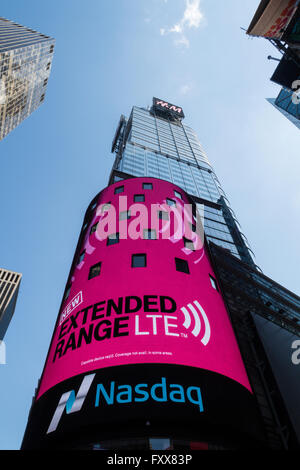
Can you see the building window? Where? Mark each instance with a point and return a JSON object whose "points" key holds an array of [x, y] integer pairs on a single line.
{"points": [[112, 239], [48, 65], [139, 198], [42, 97], [67, 293], [188, 244], [163, 215], [124, 215], [182, 265], [138, 261], [149, 234], [81, 257], [171, 202], [213, 282], [93, 206], [117, 178], [93, 228], [119, 189], [51, 49], [95, 270], [177, 194], [147, 186], [45, 82]]}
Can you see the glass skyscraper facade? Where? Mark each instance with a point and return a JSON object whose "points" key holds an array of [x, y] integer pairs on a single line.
{"points": [[25, 65], [159, 145], [284, 103], [104, 334]]}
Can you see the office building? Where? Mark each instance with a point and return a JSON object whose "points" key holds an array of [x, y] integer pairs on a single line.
{"points": [[25, 64], [158, 144], [9, 289], [158, 343]]}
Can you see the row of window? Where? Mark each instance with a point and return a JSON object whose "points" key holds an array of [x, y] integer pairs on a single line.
{"points": [[168, 134], [120, 189], [134, 154], [194, 180], [164, 124], [227, 245], [139, 260], [148, 186], [148, 234], [162, 215], [125, 215]]}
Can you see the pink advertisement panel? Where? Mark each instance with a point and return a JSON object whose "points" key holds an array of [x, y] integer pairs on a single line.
{"points": [[142, 298]]}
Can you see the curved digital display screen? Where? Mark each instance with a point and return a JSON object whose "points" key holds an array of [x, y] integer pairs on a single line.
{"points": [[139, 296]]}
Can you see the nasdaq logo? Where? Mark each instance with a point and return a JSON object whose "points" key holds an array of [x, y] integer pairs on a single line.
{"points": [[70, 402], [160, 392], [118, 394]]}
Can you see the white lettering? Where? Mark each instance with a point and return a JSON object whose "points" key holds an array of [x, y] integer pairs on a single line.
{"points": [[137, 331], [170, 325], [296, 354]]}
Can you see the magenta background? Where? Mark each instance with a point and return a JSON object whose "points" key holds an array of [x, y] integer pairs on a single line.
{"points": [[118, 279]]}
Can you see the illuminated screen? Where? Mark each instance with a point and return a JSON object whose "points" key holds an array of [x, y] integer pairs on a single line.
{"points": [[139, 296]]}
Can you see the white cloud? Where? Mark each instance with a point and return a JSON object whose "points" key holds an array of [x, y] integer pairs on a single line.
{"points": [[192, 18], [177, 28], [185, 89]]}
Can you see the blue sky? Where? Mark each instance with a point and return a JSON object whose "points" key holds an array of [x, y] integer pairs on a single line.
{"points": [[109, 56]]}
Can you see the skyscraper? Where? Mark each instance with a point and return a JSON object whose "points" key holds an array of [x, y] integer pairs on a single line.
{"points": [[156, 143], [25, 64], [9, 288], [156, 344]]}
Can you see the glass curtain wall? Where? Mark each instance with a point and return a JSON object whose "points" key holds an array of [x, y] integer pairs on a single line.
{"points": [[160, 148]]}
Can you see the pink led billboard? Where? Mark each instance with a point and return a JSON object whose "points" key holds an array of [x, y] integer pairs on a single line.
{"points": [[141, 296]]}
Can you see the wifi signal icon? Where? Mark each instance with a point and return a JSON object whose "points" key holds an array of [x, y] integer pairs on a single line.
{"points": [[197, 312]]}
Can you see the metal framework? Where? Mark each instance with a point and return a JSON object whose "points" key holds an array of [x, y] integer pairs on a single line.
{"points": [[285, 49]]}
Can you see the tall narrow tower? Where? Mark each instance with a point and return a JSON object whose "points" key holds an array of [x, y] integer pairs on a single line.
{"points": [[155, 142], [151, 349]]}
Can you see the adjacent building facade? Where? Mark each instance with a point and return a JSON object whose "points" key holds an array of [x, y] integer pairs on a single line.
{"points": [[157, 344], [284, 103], [9, 289], [278, 21], [25, 64]]}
